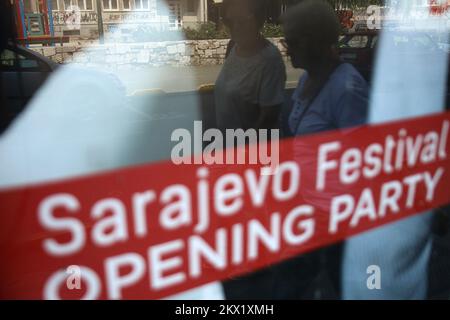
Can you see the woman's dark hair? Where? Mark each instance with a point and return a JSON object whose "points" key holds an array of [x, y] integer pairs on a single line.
{"points": [[317, 18], [257, 7]]}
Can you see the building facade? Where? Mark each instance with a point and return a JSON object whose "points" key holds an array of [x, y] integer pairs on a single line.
{"points": [[79, 18]]}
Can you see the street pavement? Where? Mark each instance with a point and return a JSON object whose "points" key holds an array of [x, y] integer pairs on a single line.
{"points": [[176, 79]]}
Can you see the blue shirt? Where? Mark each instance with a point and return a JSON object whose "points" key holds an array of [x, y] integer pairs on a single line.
{"points": [[342, 103]]}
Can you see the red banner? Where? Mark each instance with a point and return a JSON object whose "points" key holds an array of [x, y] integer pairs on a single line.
{"points": [[151, 231], [439, 7]]}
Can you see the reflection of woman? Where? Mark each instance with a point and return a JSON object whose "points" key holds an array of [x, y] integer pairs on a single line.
{"points": [[250, 88], [330, 95]]}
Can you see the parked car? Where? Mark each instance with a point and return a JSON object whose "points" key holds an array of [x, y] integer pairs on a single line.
{"points": [[22, 72], [359, 49]]}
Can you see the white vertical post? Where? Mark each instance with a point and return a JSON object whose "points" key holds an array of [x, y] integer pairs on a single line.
{"points": [[203, 11]]}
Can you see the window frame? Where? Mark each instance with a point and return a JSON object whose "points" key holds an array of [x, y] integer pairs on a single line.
{"points": [[131, 2], [195, 8], [85, 6], [72, 3], [140, 6], [21, 55], [57, 6], [110, 5]]}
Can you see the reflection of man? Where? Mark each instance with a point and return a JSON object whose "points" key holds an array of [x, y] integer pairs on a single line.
{"points": [[249, 93], [249, 90]]}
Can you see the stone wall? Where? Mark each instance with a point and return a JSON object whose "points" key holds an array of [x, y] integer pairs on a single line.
{"points": [[136, 55]]}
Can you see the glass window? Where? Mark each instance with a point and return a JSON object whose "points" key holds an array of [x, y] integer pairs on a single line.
{"points": [[110, 5], [27, 6], [88, 5], [190, 6], [142, 4], [78, 3], [84, 4], [127, 4], [55, 5], [28, 64], [358, 42], [9, 59], [354, 41], [125, 102]]}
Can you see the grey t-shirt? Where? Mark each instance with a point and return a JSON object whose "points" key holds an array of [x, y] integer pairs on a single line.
{"points": [[247, 84]]}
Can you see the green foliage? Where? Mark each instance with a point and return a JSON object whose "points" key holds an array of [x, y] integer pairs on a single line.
{"points": [[272, 30], [211, 31], [206, 31]]}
